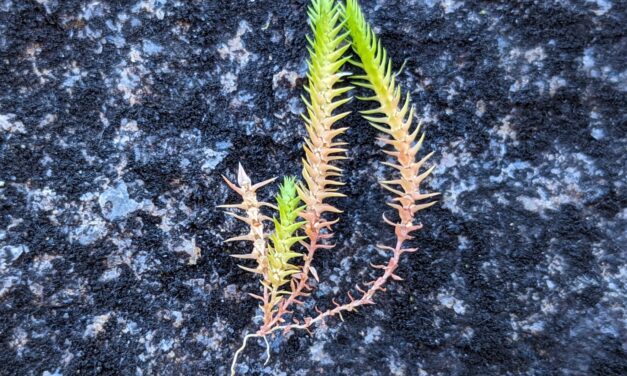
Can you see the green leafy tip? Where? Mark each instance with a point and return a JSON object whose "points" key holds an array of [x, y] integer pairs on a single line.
{"points": [[284, 236]]}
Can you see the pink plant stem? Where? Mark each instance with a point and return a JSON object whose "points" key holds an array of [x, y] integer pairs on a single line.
{"points": [[302, 283], [366, 298]]}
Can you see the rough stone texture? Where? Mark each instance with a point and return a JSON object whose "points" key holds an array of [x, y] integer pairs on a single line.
{"points": [[118, 117]]}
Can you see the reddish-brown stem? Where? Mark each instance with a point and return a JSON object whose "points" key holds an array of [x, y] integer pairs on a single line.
{"points": [[365, 299], [296, 292]]}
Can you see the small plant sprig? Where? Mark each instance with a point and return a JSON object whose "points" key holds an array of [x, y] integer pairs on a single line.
{"points": [[335, 29], [280, 253], [321, 148], [255, 221]]}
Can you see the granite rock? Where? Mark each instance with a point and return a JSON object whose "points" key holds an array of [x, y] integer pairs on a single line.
{"points": [[117, 119]]}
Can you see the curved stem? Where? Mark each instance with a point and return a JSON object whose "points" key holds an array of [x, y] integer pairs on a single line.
{"points": [[366, 297], [300, 286]]}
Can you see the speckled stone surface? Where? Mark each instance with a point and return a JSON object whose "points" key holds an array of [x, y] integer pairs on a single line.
{"points": [[117, 119]]}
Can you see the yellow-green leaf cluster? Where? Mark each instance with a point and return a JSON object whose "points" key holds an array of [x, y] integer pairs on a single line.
{"points": [[280, 251], [326, 50], [393, 118]]}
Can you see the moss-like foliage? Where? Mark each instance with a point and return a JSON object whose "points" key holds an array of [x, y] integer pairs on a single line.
{"points": [[393, 118], [326, 58], [335, 28], [280, 252]]}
